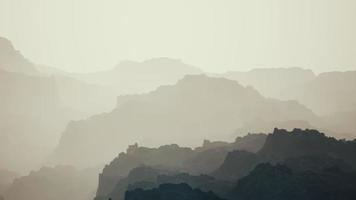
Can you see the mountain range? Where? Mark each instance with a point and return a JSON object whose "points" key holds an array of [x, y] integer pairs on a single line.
{"points": [[196, 106], [301, 164]]}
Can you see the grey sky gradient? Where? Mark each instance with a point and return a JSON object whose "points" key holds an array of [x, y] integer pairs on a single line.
{"points": [[216, 35]]}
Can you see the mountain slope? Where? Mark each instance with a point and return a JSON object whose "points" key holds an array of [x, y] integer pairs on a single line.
{"points": [[206, 158], [281, 146], [13, 61], [328, 93], [130, 77], [197, 106], [272, 82]]}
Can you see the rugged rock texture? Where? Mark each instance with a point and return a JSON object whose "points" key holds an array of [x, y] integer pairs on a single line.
{"points": [[267, 182], [207, 158], [170, 192], [281, 146]]}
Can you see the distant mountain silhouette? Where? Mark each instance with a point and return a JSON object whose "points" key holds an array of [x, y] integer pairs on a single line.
{"points": [[171, 192], [169, 158], [328, 93], [197, 107], [272, 82], [325, 93], [35, 108], [130, 77], [282, 146], [57, 183], [13, 61], [341, 123]]}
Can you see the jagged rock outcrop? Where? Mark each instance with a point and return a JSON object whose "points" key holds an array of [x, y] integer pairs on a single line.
{"points": [[207, 158], [281, 146], [169, 157]]}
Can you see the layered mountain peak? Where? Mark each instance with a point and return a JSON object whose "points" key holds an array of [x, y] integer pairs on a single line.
{"points": [[158, 65], [12, 60]]}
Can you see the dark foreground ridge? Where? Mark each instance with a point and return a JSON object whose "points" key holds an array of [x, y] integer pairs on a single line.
{"points": [[298, 165], [170, 192]]}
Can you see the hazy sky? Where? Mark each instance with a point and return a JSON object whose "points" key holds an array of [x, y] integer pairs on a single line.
{"points": [[216, 35]]}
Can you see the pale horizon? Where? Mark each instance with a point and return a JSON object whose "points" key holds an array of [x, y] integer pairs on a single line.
{"points": [[216, 36]]}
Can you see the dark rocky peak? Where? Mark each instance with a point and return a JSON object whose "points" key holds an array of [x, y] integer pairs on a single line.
{"points": [[282, 144]]}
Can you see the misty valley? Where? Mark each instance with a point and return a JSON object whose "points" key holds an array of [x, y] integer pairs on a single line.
{"points": [[162, 129]]}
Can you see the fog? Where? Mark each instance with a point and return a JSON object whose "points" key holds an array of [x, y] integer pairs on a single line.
{"points": [[206, 99], [90, 35]]}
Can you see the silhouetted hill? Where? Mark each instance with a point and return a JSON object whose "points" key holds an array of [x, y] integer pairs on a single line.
{"points": [[328, 93], [12, 60], [167, 157], [212, 154], [266, 126], [130, 77], [207, 158], [170, 192], [267, 182], [272, 82], [58, 183], [142, 175], [341, 122], [196, 108], [281, 146]]}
